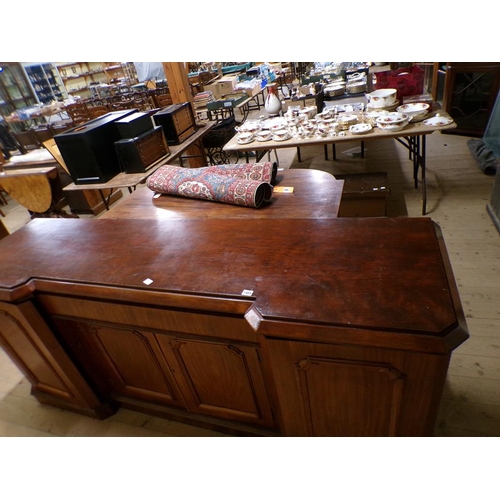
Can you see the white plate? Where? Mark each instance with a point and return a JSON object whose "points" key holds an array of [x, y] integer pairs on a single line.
{"points": [[360, 128], [394, 105], [437, 121], [413, 107], [419, 118]]}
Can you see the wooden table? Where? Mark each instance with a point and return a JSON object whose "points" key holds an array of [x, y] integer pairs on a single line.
{"points": [[413, 137], [84, 201], [131, 181], [316, 195], [300, 325], [37, 189], [43, 113]]}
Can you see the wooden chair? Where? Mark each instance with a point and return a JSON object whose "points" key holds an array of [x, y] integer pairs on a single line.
{"points": [[26, 140], [123, 101], [78, 113], [61, 126], [163, 100], [43, 133], [97, 111]]}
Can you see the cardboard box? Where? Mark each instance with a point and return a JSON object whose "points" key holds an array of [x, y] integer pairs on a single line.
{"points": [[222, 86]]}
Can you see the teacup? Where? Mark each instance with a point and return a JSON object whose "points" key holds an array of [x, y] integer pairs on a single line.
{"points": [[264, 135], [245, 136], [280, 134], [382, 98]]}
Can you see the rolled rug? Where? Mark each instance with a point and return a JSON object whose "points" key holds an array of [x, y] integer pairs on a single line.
{"points": [[205, 185], [263, 171]]}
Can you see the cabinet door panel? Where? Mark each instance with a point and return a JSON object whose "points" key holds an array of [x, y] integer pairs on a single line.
{"points": [[131, 360], [348, 398], [31, 344], [219, 379], [327, 390]]}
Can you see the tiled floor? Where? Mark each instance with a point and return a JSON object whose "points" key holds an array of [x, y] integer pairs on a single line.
{"points": [[457, 196]]}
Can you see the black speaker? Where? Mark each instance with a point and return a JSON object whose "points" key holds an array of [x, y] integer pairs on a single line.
{"points": [[134, 125], [89, 149]]}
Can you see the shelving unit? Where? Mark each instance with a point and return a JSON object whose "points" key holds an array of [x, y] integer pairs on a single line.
{"points": [[46, 82], [15, 89], [80, 78]]}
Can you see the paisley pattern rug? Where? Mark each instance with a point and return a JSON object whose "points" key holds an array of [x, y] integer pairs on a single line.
{"points": [[264, 171], [245, 184]]}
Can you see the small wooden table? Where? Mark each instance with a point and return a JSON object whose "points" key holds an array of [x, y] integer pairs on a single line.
{"points": [[37, 189], [131, 181]]}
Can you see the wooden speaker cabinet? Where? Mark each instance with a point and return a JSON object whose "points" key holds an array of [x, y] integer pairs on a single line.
{"points": [[134, 125], [139, 153], [177, 121]]}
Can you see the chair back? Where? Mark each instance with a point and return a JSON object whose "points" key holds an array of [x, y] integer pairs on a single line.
{"points": [[78, 113], [97, 111], [43, 133], [26, 140], [163, 100]]}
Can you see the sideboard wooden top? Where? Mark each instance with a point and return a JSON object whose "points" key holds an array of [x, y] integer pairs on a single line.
{"points": [[388, 274]]}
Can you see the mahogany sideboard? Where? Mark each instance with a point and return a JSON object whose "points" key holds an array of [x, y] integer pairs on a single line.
{"points": [[254, 326]]}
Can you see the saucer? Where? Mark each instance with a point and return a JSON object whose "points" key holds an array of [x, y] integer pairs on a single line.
{"points": [[278, 138], [245, 141]]}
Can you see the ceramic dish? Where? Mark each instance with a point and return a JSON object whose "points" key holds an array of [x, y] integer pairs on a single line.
{"points": [[387, 108], [392, 122], [345, 121], [334, 90], [414, 110], [372, 116], [392, 118], [264, 136], [437, 121], [249, 127], [281, 137], [382, 98], [360, 128], [245, 138], [420, 117], [356, 87]]}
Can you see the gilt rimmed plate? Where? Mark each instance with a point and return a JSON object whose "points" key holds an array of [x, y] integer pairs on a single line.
{"points": [[360, 128]]}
